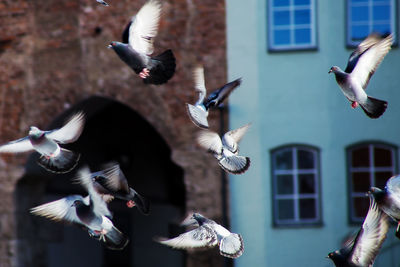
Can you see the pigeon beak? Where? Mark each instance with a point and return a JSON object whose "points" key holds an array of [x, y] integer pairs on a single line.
{"points": [[109, 46], [330, 71]]}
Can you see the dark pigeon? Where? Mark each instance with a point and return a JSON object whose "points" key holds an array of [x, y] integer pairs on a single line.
{"points": [[53, 157], [198, 112], [102, 2], [90, 212], [361, 65], [111, 182], [136, 53], [389, 200], [226, 150], [362, 250], [207, 234]]}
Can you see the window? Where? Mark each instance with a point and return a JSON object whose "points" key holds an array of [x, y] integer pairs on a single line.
{"points": [[295, 174], [291, 24], [368, 165], [367, 16]]}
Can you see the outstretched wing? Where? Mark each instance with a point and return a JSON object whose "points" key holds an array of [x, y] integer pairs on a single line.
{"points": [[199, 83], [210, 141], [238, 133], [144, 27], [70, 132], [17, 146]]}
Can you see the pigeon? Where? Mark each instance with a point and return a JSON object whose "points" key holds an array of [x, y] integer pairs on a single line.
{"points": [[198, 112], [362, 250], [207, 234], [361, 66], [53, 157], [389, 199], [102, 2], [136, 53], [111, 182], [90, 212], [226, 150]]}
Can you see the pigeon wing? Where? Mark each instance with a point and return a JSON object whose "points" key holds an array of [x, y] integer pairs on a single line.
{"points": [[203, 236], [199, 83], [17, 146], [370, 60], [144, 27], [59, 210], [115, 179], [370, 237], [238, 133], [220, 94], [70, 132], [210, 141]]}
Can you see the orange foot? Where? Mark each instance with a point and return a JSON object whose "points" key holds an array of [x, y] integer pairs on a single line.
{"points": [[354, 104], [144, 73], [130, 204]]}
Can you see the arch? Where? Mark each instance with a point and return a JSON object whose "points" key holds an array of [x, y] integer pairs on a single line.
{"points": [[113, 132]]}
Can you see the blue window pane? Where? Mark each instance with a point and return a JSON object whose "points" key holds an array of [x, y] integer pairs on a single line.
{"points": [[381, 12], [281, 18], [282, 37], [359, 32], [281, 3], [381, 28], [359, 13], [301, 2], [358, 1], [302, 17], [285, 184], [302, 36]]}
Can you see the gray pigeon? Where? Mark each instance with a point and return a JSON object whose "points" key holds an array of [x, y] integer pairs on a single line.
{"points": [[389, 199], [361, 65], [90, 212], [111, 182], [102, 2], [362, 250], [53, 157], [207, 234], [226, 150], [137, 52], [198, 112]]}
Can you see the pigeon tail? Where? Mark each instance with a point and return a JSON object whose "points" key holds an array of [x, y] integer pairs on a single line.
{"points": [[235, 164], [231, 246], [62, 163], [373, 107], [163, 69], [142, 204], [115, 240], [197, 115]]}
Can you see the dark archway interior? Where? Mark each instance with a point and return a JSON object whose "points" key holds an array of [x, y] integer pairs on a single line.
{"points": [[113, 132]]}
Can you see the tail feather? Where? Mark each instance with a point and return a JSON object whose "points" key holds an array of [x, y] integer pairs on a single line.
{"points": [[232, 246], [373, 107], [197, 115], [163, 69], [63, 163], [235, 164], [115, 239]]}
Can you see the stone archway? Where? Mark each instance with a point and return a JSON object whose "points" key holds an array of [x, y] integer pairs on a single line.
{"points": [[113, 131]]}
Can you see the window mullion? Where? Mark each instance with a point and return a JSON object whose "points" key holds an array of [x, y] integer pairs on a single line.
{"points": [[295, 185]]}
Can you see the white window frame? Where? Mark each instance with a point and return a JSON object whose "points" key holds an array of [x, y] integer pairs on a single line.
{"points": [[350, 4], [371, 170], [295, 172], [292, 26]]}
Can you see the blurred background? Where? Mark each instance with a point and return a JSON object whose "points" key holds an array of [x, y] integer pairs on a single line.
{"points": [[312, 156]]}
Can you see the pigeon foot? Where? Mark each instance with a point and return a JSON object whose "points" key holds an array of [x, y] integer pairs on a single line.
{"points": [[144, 73], [354, 104], [130, 204]]}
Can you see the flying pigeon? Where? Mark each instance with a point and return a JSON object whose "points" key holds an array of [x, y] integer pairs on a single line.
{"points": [[102, 2], [111, 182], [361, 65], [198, 112], [362, 250], [389, 199], [53, 157], [226, 150], [207, 234], [91, 212], [137, 52]]}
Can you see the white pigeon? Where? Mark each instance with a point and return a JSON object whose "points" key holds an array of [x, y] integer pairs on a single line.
{"points": [[226, 150], [90, 212], [207, 234], [198, 112], [361, 65], [136, 53], [53, 157]]}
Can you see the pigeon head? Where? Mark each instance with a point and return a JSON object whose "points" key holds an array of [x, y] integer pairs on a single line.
{"points": [[35, 132], [77, 203], [334, 69], [336, 257], [113, 45]]}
